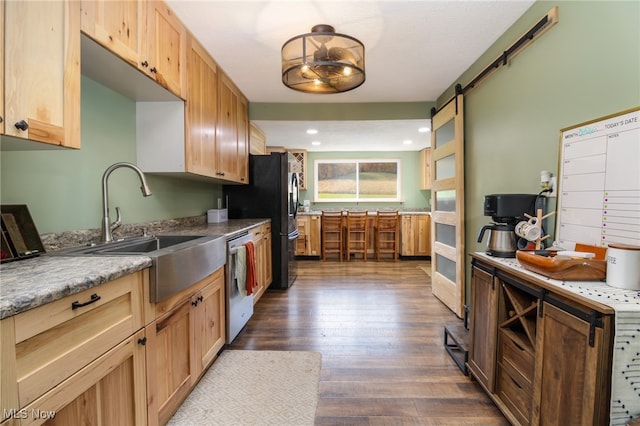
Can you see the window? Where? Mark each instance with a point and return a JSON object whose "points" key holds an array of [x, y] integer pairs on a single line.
{"points": [[357, 180]]}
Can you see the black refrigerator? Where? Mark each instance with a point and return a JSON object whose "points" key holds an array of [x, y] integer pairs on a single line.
{"points": [[272, 193]]}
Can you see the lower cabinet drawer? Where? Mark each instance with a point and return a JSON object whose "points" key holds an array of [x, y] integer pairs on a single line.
{"points": [[57, 339], [111, 390], [515, 395]]}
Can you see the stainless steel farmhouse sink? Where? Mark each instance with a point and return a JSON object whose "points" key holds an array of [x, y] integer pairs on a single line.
{"points": [[153, 244], [178, 261]]}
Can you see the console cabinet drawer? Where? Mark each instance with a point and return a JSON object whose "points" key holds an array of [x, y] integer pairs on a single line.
{"points": [[515, 357], [57, 339], [515, 394]]}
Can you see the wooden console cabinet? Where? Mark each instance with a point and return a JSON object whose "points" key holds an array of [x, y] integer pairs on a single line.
{"points": [[543, 356]]}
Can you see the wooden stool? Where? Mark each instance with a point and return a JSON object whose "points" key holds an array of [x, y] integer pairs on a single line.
{"points": [[357, 234], [331, 226], [387, 230]]}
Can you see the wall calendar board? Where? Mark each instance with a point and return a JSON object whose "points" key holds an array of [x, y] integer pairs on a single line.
{"points": [[599, 182]]}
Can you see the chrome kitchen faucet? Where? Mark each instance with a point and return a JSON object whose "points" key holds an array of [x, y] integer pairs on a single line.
{"points": [[106, 222]]}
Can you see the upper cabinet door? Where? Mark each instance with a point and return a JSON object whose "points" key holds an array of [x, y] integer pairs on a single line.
{"points": [[232, 132], [2, 118], [116, 25], [243, 139], [42, 71], [201, 111], [165, 45]]}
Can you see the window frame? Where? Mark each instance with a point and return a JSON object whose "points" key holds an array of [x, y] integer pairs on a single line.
{"points": [[358, 197]]}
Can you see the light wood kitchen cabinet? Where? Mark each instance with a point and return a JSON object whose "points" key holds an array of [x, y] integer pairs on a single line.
{"points": [[214, 143], [300, 166], [186, 336], [116, 25], [169, 361], [232, 132], [77, 351], [308, 242], [209, 324], [42, 38], [146, 34], [201, 111], [267, 256], [543, 356], [109, 391], [425, 168], [415, 235], [165, 48], [243, 138], [262, 242], [257, 140], [2, 117]]}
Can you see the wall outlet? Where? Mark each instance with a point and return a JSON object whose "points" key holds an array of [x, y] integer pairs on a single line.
{"points": [[553, 184]]}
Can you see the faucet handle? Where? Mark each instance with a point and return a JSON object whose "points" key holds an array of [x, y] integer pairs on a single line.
{"points": [[118, 221]]}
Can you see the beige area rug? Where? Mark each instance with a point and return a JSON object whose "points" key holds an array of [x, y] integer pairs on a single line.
{"points": [[426, 269], [255, 388]]}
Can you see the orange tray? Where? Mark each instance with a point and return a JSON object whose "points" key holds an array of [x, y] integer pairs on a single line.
{"points": [[564, 269]]}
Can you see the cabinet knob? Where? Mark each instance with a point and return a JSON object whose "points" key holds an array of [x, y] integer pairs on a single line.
{"points": [[142, 341], [200, 298], [22, 125], [194, 303], [1, 119], [145, 64], [153, 70]]}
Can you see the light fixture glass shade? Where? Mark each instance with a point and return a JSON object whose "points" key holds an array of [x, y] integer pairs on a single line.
{"points": [[323, 61]]}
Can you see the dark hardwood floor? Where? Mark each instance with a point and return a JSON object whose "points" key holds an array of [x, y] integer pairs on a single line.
{"points": [[380, 332]]}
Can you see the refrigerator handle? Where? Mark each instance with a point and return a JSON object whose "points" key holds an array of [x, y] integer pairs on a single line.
{"points": [[295, 194]]}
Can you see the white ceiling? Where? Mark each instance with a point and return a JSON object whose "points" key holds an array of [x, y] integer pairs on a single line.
{"points": [[414, 50]]}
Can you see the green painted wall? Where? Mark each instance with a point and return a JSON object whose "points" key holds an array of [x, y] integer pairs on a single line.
{"points": [[409, 168], [337, 112], [585, 67], [63, 188]]}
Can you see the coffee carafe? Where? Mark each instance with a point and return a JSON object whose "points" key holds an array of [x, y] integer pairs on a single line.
{"points": [[502, 239], [506, 210]]}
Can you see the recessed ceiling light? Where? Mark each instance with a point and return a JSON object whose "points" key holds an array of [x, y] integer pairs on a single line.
{"points": [[423, 129], [315, 143], [312, 131], [407, 142]]}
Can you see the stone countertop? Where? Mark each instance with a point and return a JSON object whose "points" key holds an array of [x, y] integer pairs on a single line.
{"points": [[29, 283], [371, 212]]}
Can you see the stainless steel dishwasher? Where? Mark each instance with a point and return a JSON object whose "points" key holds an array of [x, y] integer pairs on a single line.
{"points": [[239, 306]]}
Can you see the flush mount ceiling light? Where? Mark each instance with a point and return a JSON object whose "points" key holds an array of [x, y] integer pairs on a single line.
{"points": [[323, 61]]}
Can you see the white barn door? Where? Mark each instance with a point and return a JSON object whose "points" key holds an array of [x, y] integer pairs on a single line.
{"points": [[447, 205]]}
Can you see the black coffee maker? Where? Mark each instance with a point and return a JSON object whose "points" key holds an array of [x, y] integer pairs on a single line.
{"points": [[506, 210]]}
